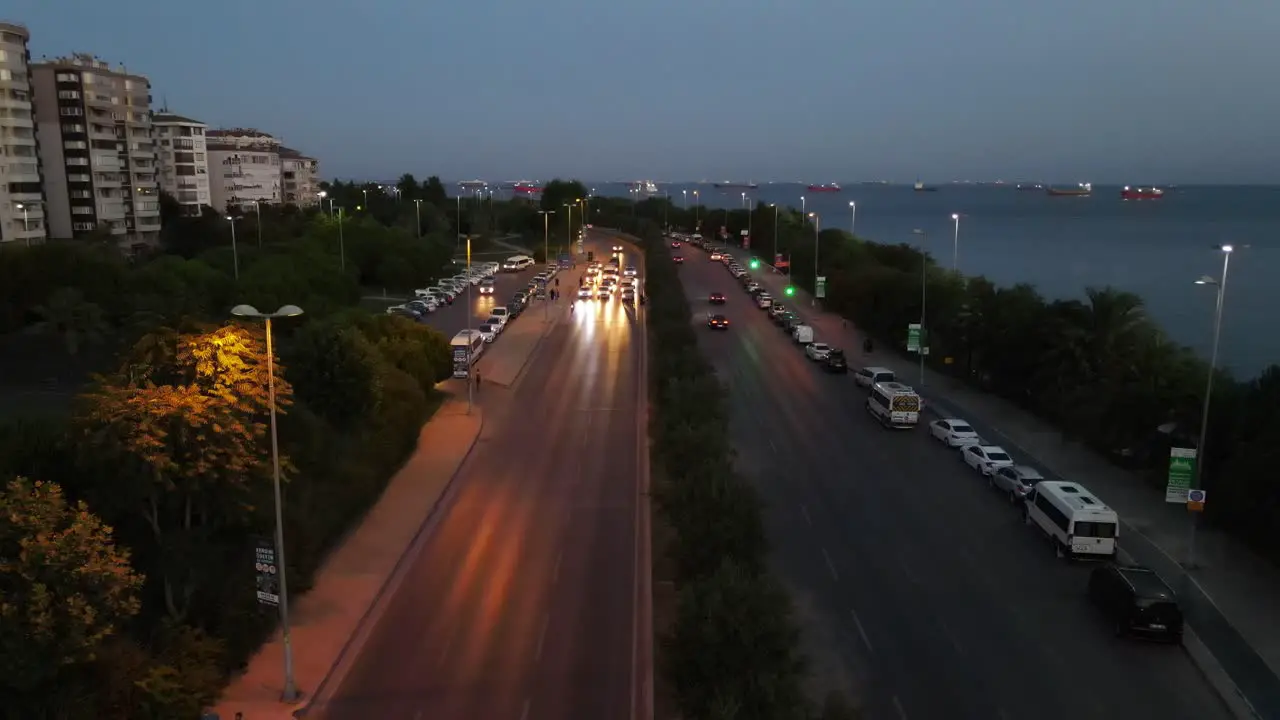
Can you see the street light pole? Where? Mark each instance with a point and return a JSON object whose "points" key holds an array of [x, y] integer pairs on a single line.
{"points": [[459, 233], [802, 201], [685, 193], [470, 383], [257, 211], [697, 212], [26, 226], [235, 254], [955, 243], [417, 217], [569, 221], [546, 245], [817, 224], [1220, 285], [853, 217], [750, 211], [342, 244], [775, 237], [290, 692], [924, 294], [322, 195]]}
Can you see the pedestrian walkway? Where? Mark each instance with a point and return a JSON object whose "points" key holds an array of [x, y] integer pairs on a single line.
{"points": [[1233, 581], [352, 579]]}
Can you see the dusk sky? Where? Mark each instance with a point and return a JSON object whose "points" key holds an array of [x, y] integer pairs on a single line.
{"points": [[809, 90]]}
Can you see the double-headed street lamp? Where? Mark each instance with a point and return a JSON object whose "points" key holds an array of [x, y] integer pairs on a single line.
{"points": [[817, 228], [774, 264], [955, 243], [257, 212], [546, 247], [853, 216], [1219, 285], [417, 217], [924, 294], [290, 693], [322, 195]]}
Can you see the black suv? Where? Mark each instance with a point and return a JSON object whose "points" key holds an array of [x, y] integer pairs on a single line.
{"points": [[835, 362], [1136, 601]]}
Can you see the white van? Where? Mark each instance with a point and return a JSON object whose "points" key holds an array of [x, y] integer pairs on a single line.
{"points": [[516, 263], [466, 348], [894, 405], [802, 334], [1074, 519], [867, 377]]}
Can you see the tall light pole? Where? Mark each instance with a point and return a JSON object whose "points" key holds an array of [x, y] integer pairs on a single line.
{"points": [[1220, 285], [26, 227], [774, 264], [744, 201], [924, 288], [235, 254], [546, 245], [290, 693], [470, 321], [802, 212], [365, 191], [817, 224], [459, 233], [257, 212], [417, 217], [322, 195], [697, 212], [750, 211], [342, 244], [685, 193], [853, 217], [955, 243], [569, 221]]}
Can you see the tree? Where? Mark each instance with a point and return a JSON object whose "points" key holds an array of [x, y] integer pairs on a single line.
{"points": [[557, 193], [734, 645], [416, 349], [64, 585], [334, 371], [68, 314], [184, 426]]}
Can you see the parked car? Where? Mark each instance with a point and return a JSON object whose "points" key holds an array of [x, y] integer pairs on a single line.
{"points": [[836, 362], [986, 459], [1015, 480], [954, 432], [1136, 601], [817, 351]]}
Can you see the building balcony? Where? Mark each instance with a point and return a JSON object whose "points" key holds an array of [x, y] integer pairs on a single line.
{"points": [[22, 177], [22, 122], [148, 223]]}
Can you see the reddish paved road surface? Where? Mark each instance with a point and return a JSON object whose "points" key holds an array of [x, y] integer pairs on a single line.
{"points": [[521, 604]]}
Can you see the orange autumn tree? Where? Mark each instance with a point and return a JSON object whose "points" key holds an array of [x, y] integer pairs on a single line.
{"points": [[64, 587], [184, 425]]}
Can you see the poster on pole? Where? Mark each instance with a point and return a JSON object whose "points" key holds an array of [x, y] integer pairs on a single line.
{"points": [[268, 574], [1182, 468], [913, 337], [820, 287]]}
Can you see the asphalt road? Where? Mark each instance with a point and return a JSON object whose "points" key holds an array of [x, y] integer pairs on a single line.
{"points": [[520, 602], [917, 582], [452, 318]]}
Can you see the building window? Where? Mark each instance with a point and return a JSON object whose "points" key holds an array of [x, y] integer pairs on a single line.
{"points": [[67, 77], [68, 94], [5, 75], [72, 128]]}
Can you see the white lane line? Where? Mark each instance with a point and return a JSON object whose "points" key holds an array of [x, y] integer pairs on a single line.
{"points": [[773, 447], [951, 636], [524, 714], [542, 636], [861, 630], [805, 511], [448, 645], [555, 573], [897, 705], [830, 565]]}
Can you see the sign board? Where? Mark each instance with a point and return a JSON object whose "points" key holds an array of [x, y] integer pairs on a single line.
{"points": [[1195, 500], [1182, 468], [780, 262], [743, 233], [820, 287], [746, 241], [461, 362], [913, 337], [264, 565]]}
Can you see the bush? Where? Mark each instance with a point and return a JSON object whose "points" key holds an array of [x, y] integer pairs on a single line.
{"points": [[733, 649]]}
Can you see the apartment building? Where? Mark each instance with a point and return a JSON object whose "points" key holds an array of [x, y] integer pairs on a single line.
{"points": [[246, 167], [21, 195], [184, 163], [97, 151], [299, 178]]}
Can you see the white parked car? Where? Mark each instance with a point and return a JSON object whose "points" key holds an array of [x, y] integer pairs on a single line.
{"points": [[817, 351], [486, 286], [1015, 480], [764, 301], [501, 315], [630, 271], [986, 459], [488, 330], [954, 432]]}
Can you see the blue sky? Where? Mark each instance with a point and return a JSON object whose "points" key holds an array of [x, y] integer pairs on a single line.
{"points": [[806, 90]]}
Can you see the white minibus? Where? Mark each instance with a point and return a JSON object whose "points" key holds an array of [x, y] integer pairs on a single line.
{"points": [[466, 347], [1074, 519], [894, 405]]}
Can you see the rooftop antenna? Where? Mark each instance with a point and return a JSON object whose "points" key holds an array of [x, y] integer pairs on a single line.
{"points": [[164, 102]]}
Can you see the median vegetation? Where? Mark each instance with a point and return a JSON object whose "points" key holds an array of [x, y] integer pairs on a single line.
{"points": [[1098, 368], [732, 647], [135, 465]]}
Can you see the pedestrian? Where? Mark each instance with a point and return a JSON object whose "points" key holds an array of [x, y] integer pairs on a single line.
{"points": [[477, 382]]}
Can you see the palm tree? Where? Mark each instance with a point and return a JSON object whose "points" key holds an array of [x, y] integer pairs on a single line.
{"points": [[69, 314]]}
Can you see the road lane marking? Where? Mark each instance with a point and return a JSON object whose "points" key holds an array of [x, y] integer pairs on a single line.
{"points": [[830, 565], [555, 572], [524, 714], [542, 636], [773, 446], [897, 705], [805, 511], [862, 630], [448, 645], [946, 630]]}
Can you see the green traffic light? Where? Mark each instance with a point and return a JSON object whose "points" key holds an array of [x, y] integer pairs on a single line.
{"points": [[755, 264], [790, 291]]}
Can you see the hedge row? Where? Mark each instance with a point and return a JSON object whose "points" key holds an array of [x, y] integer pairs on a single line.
{"points": [[733, 648]]}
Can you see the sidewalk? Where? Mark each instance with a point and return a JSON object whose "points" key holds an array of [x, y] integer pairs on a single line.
{"points": [[1232, 594], [505, 359], [352, 579]]}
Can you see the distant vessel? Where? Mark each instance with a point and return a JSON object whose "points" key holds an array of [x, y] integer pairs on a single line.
{"points": [[921, 187], [736, 186], [1151, 193], [526, 188], [824, 188], [647, 187], [1081, 190], [1030, 186], [473, 184]]}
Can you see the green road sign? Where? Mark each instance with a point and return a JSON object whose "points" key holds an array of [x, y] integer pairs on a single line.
{"points": [[1182, 468], [820, 287], [913, 337]]}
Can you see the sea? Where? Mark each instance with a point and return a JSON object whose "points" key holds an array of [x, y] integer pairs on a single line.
{"points": [[1063, 245]]}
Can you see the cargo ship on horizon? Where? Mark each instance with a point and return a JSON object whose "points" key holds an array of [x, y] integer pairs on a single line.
{"points": [[921, 187], [1081, 190], [824, 188], [1136, 193], [736, 185]]}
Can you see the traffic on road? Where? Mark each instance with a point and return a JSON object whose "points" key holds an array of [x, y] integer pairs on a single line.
{"points": [[932, 567]]}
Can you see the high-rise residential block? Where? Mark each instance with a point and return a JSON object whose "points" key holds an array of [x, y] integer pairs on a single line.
{"points": [[184, 162], [246, 168], [97, 151], [22, 206], [300, 178]]}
